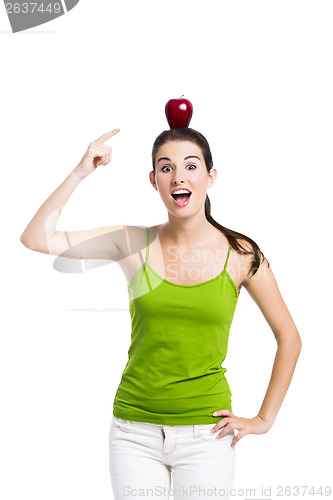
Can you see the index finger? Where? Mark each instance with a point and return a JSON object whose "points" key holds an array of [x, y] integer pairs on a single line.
{"points": [[107, 136]]}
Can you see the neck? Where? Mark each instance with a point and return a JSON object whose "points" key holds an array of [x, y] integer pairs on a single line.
{"points": [[188, 231]]}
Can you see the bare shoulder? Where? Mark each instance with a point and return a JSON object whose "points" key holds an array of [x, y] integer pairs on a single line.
{"points": [[245, 260], [134, 239], [261, 284]]}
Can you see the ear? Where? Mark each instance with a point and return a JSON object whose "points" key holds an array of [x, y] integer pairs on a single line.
{"points": [[152, 179], [212, 174]]}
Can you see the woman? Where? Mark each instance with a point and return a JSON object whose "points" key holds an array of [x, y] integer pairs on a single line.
{"points": [[172, 418]]}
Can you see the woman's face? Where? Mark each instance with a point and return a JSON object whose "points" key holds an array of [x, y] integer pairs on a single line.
{"points": [[181, 165]]}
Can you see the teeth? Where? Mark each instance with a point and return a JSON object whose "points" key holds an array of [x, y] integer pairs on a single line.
{"points": [[181, 191]]}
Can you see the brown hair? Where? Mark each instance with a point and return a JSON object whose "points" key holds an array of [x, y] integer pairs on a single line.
{"points": [[189, 134]]}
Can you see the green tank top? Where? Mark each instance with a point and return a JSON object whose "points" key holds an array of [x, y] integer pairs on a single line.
{"points": [[179, 341]]}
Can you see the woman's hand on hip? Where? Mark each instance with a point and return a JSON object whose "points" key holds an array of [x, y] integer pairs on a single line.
{"points": [[255, 425]]}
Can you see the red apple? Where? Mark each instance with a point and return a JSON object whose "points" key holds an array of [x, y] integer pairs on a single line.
{"points": [[178, 112]]}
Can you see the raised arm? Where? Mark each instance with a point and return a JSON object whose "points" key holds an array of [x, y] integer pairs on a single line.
{"points": [[41, 235]]}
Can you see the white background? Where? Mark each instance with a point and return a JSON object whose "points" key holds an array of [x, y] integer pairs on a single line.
{"points": [[259, 76]]}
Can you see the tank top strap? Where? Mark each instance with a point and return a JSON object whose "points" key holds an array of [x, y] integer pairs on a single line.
{"points": [[145, 270], [226, 262], [147, 250]]}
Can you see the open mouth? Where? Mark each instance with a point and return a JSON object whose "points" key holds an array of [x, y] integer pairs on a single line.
{"points": [[181, 199]]}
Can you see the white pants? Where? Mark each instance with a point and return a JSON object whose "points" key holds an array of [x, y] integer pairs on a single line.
{"points": [[169, 461]]}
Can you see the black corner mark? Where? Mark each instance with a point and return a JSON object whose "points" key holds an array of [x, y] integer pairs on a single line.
{"points": [[23, 15]]}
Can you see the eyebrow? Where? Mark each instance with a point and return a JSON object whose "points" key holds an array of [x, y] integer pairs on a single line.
{"points": [[186, 158]]}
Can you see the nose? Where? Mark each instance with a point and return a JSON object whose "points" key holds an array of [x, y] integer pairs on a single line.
{"points": [[177, 177]]}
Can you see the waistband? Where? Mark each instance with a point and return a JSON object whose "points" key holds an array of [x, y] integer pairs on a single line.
{"points": [[126, 426]]}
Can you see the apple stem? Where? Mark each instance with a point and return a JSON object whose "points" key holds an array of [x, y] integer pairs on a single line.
{"points": [[181, 96]]}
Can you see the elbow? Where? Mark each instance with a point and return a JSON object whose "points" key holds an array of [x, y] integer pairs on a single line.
{"points": [[292, 340], [298, 341], [25, 242], [297, 346]]}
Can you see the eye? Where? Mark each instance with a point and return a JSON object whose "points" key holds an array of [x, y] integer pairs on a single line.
{"points": [[168, 166]]}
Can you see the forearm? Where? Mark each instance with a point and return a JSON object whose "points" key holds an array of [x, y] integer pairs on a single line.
{"points": [[43, 224], [283, 369]]}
